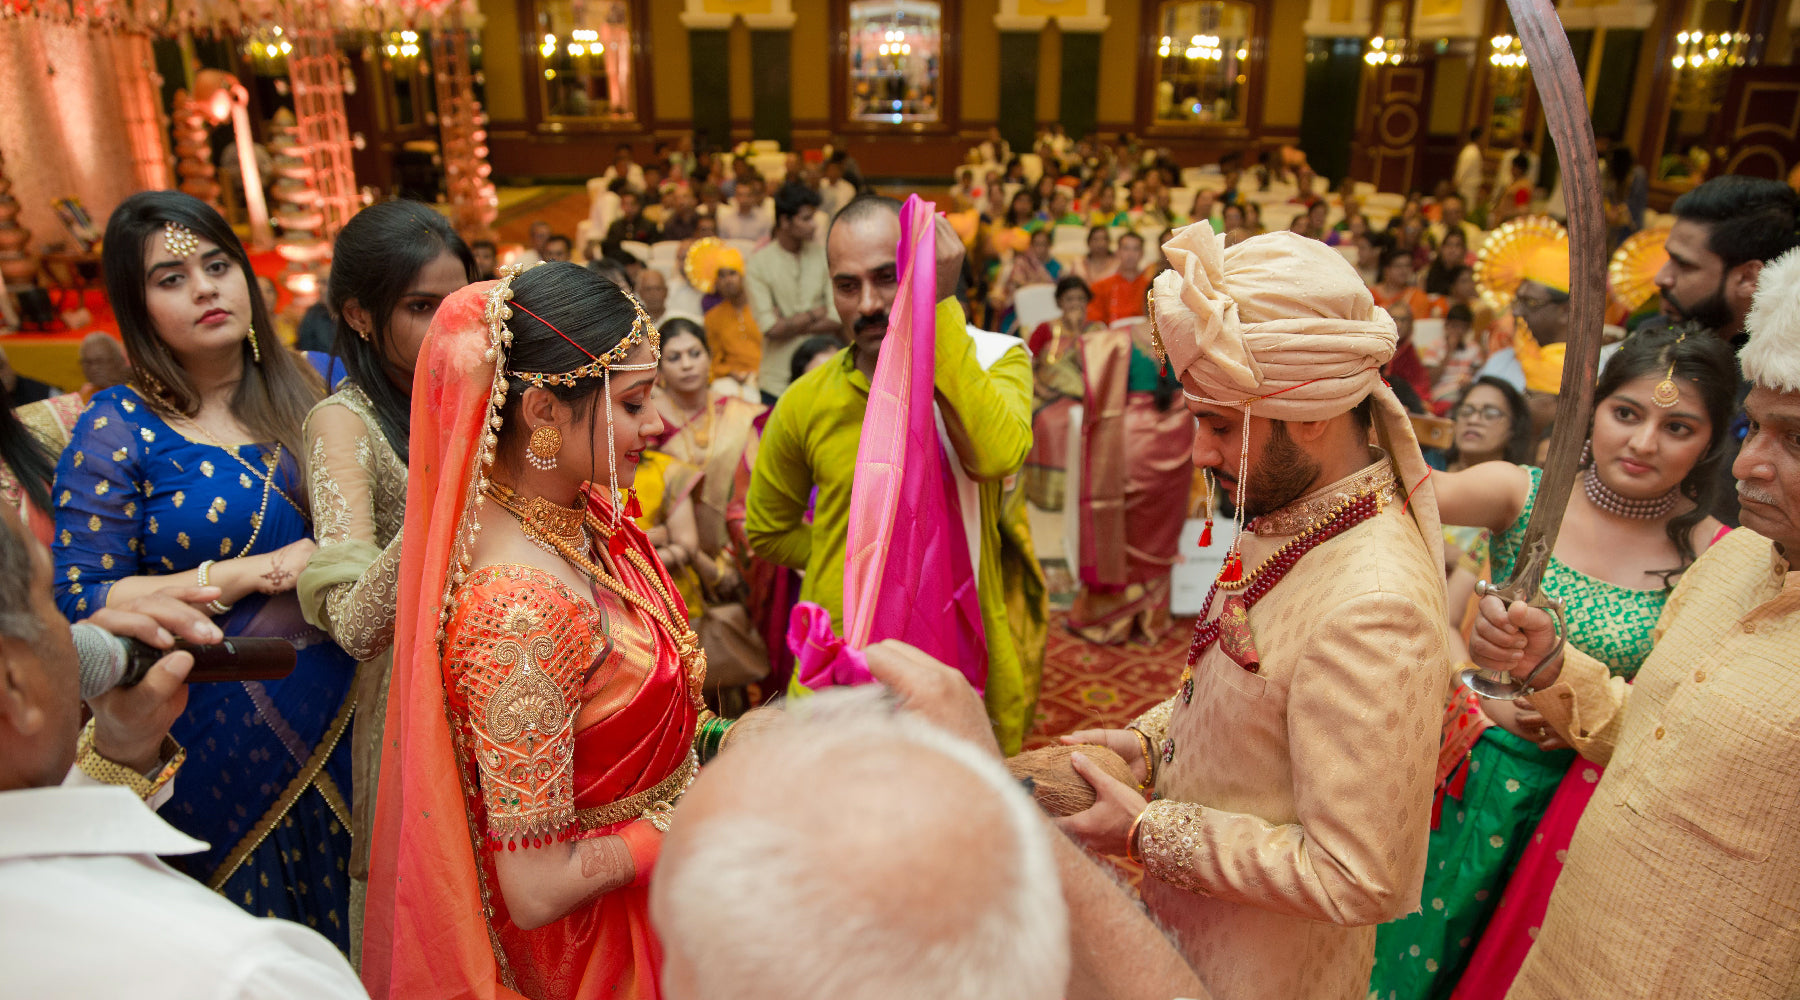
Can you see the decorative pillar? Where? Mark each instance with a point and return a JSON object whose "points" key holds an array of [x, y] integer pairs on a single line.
{"points": [[193, 153], [315, 71], [462, 128], [18, 265], [1018, 76]]}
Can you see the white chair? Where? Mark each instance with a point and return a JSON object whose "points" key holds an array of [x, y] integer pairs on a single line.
{"points": [[1362, 190], [662, 256], [1033, 166], [584, 233], [1347, 251], [1068, 241], [765, 146], [1192, 176], [639, 250], [1384, 201], [1034, 304]]}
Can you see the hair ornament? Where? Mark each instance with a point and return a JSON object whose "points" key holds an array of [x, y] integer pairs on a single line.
{"points": [[1667, 393], [180, 240]]}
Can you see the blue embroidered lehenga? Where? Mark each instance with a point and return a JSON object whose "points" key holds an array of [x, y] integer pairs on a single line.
{"points": [[267, 778]]}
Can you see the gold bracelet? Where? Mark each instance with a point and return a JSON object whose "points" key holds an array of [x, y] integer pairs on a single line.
{"points": [[110, 772], [1131, 837], [1149, 759]]}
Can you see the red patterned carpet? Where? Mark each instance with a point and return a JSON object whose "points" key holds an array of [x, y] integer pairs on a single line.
{"points": [[1088, 686]]}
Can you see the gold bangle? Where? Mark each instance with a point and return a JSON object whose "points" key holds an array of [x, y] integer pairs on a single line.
{"points": [[1149, 759], [109, 772], [1131, 837]]}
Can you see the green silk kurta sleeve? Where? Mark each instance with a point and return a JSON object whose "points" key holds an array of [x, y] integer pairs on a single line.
{"points": [[994, 404], [781, 483]]}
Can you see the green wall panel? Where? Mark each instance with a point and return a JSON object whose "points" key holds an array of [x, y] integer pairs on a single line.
{"points": [[709, 62], [1018, 87], [1080, 81], [772, 116]]}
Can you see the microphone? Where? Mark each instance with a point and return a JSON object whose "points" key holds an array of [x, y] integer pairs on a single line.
{"points": [[108, 661]]}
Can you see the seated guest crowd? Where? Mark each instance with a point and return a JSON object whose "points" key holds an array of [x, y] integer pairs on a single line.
{"points": [[537, 532]]}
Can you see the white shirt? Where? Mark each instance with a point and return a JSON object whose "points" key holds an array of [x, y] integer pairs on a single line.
{"points": [[87, 910], [754, 225], [1470, 165]]}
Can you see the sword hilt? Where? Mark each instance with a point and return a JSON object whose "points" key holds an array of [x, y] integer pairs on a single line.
{"points": [[1501, 685]]}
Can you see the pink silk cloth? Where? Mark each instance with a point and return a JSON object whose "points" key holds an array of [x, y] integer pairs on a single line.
{"points": [[907, 568]]}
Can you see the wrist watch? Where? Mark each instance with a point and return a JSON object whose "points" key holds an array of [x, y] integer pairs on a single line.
{"points": [[110, 772]]}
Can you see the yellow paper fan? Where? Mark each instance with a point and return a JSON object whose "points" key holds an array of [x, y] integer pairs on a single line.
{"points": [[1500, 265], [1631, 276]]}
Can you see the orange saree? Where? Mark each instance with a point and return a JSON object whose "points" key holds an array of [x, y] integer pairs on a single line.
{"points": [[519, 713]]}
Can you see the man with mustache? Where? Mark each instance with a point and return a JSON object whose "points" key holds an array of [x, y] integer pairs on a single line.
{"points": [[984, 386], [1725, 232], [1291, 771], [1683, 878]]}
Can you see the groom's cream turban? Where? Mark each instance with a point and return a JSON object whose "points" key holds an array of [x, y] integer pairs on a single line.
{"points": [[1282, 325], [1279, 319]]}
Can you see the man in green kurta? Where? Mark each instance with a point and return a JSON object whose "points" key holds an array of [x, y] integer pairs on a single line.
{"points": [[983, 385]]}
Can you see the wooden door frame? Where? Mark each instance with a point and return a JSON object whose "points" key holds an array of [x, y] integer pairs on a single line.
{"points": [[949, 75], [1148, 44], [640, 122]]}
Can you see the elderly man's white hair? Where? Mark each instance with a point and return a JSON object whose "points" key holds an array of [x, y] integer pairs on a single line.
{"points": [[860, 854], [1772, 357]]}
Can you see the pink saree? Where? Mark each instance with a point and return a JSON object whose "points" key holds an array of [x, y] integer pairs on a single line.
{"points": [[907, 571]]}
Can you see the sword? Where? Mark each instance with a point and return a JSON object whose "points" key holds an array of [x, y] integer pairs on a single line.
{"points": [[1566, 118]]}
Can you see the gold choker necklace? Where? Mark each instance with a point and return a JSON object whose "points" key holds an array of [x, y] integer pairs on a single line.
{"points": [[542, 520]]}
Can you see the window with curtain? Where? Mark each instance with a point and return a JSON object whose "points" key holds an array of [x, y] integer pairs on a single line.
{"points": [[585, 67], [1202, 62], [895, 61]]}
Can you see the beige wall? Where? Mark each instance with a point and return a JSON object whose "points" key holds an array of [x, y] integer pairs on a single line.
{"points": [[1118, 65], [810, 63], [1049, 91], [669, 63], [500, 60], [980, 61], [1284, 65]]}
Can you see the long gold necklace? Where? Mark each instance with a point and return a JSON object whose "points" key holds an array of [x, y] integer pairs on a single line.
{"points": [[687, 644]]}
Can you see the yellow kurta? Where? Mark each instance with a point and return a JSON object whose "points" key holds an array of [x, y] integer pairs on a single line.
{"points": [[1683, 879], [1296, 802], [811, 441]]}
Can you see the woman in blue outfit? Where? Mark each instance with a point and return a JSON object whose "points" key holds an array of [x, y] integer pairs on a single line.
{"points": [[190, 474]]}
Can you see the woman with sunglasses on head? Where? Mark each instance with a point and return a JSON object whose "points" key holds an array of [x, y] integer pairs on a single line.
{"points": [[545, 711], [190, 474], [393, 264], [1631, 528]]}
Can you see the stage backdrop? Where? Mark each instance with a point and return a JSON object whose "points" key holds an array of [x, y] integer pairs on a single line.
{"points": [[79, 120]]}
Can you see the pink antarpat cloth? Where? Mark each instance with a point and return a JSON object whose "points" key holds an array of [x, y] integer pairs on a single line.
{"points": [[907, 573]]}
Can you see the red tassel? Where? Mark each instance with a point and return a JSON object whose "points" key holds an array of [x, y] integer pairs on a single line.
{"points": [[1233, 570], [633, 509], [617, 544], [1206, 534]]}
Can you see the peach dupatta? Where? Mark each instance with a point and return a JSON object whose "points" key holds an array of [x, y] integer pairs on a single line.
{"points": [[438, 944]]}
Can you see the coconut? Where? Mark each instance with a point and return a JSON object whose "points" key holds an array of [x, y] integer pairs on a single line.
{"points": [[1059, 789]]}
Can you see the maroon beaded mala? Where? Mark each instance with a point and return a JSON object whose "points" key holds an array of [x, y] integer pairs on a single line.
{"points": [[1347, 516]]}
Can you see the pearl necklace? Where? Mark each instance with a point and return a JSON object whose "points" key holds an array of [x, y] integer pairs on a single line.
{"points": [[1607, 499]]}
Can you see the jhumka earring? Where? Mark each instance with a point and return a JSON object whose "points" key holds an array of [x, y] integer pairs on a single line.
{"points": [[255, 351], [546, 441], [1211, 506]]}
